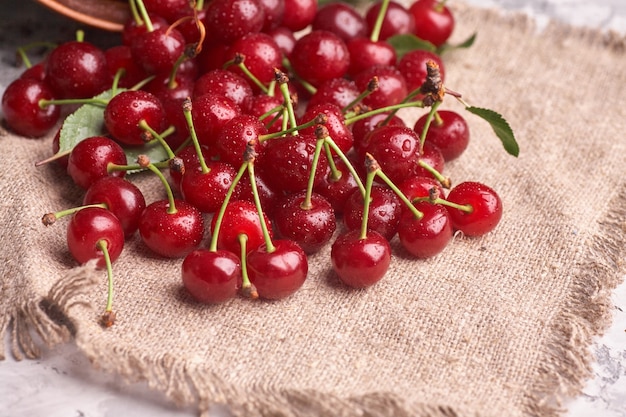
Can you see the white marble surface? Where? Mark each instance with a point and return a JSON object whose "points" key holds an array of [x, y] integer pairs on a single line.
{"points": [[63, 384]]}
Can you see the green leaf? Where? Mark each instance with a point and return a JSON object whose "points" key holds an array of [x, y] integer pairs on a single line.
{"points": [[153, 150], [408, 42], [463, 45], [500, 126]]}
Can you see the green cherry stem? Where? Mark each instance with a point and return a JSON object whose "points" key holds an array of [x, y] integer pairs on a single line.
{"points": [[257, 202], [443, 180], [144, 162], [23, 56], [429, 119], [330, 142], [248, 289], [372, 166], [135, 13], [143, 125], [380, 174], [144, 15], [239, 61], [320, 119], [283, 81], [108, 318], [372, 86], [467, 208], [187, 106], [379, 21], [49, 219], [352, 119], [321, 134]]}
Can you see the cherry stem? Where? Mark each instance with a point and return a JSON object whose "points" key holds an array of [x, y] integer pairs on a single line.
{"points": [[144, 15], [306, 203], [443, 180], [94, 101], [248, 289], [50, 218], [135, 13], [350, 120], [347, 162], [168, 190], [429, 119], [335, 173], [467, 208], [257, 202], [21, 51], [107, 317], [310, 88], [80, 35], [220, 214], [239, 61], [143, 125], [371, 87], [54, 157], [418, 214], [379, 21], [194, 137], [283, 81], [372, 167], [294, 130]]}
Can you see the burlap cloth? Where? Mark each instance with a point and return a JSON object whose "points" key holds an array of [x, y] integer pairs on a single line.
{"points": [[495, 326]]}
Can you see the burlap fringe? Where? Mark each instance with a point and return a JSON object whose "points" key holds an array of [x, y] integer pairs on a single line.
{"points": [[43, 320]]}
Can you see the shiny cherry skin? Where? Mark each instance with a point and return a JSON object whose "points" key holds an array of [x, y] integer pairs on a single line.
{"points": [[280, 273], [123, 198], [158, 50], [133, 29], [90, 159], [21, 109], [335, 123], [77, 70], [299, 14], [392, 87], [336, 190], [426, 237], [274, 11], [362, 127], [310, 227], [320, 56], [232, 140], [284, 38], [229, 20], [267, 195], [486, 207], [412, 66], [171, 235], [206, 190], [451, 135], [225, 83], [384, 214], [125, 111], [240, 217], [259, 104], [338, 91], [211, 277], [435, 21], [119, 57], [431, 155], [170, 10], [397, 20], [210, 113], [262, 55], [365, 53], [89, 226], [360, 263], [419, 186], [342, 19]]}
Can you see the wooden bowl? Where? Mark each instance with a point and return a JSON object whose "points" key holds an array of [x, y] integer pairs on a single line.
{"points": [[103, 14]]}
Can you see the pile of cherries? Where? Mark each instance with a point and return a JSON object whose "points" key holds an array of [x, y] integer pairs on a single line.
{"points": [[275, 124]]}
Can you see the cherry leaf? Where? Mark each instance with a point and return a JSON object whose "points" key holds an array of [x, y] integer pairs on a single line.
{"points": [[154, 150], [500, 126], [463, 45], [408, 42]]}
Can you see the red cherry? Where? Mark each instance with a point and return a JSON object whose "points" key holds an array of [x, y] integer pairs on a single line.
{"points": [[397, 20], [335, 123], [89, 226], [262, 55], [320, 56], [365, 53], [158, 50], [240, 217], [362, 127], [125, 111], [412, 66], [338, 91], [451, 135], [119, 57], [210, 113], [233, 138], [133, 29], [340, 18], [428, 236], [206, 190], [485, 208], [299, 14], [211, 276], [223, 83], [420, 187], [358, 262], [229, 20], [384, 214], [337, 190], [170, 10], [171, 235], [280, 273], [284, 38], [21, 109], [310, 227], [90, 159], [435, 21], [392, 87], [274, 11], [123, 198]]}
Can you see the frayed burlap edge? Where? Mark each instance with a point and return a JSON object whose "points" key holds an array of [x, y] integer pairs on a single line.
{"points": [[48, 320]]}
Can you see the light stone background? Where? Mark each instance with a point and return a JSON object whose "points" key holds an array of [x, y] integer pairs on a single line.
{"points": [[63, 384]]}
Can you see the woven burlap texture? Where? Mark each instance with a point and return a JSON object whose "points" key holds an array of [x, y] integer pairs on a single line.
{"points": [[498, 325]]}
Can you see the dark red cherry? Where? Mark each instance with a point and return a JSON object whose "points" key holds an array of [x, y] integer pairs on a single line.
{"points": [[337, 189], [485, 208], [431, 155], [157, 51], [420, 187], [170, 10], [435, 21], [335, 123], [396, 149], [262, 55], [450, 133], [89, 226], [360, 263], [133, 28], [339, 91], [299, 14], [190, 160], [342, 19], [207, 190], [280, 273], [361, 128], [384, 213], [311, 227], [90, 159], [392, 88], [77, 70], [284, 38], [260, 104], [123, 198], [224, 83], [274, 11], [125, 111], [22, 111], [119, 57], [268, 196], [428, 236], [229, 20], [232, 140], [412, 66], [397, 20], [211, 277], [171, 234], [365, 53], [210, 113], [320, 56], [240, 217]]}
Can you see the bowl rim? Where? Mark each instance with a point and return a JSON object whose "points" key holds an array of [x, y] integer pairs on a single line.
{"points": [[112, 22]]}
